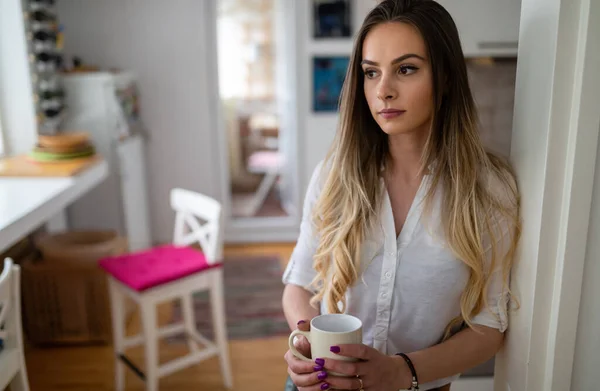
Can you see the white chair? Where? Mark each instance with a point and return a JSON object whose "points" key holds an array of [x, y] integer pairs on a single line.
{"points": [[167, 273], [12, 358], [269, 163]]}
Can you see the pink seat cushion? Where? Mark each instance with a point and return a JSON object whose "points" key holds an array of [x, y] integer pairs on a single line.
{"points": [[150, 268], [266, 161]]}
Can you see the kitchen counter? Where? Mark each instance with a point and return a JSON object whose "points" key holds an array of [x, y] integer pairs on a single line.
{"points": [[29, 202]]}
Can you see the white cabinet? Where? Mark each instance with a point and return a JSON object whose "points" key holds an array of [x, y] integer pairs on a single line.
{"points": [[486, 27], [96, 104]]}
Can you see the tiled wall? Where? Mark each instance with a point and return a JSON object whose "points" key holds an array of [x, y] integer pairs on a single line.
{"points": [[493, 85]]}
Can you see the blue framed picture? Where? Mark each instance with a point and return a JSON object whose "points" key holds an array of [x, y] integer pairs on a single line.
{"points": [[328, 78]]}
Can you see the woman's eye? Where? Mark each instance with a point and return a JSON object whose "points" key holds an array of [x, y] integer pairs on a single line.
{"points": [[407, 69], [369, 73]]}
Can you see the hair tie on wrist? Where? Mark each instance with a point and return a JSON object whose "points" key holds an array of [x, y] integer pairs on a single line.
{"points": [[415, 380]]}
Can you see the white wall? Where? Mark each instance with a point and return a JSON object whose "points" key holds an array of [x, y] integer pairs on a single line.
{"points": [[163, 43], [555, 136], [16, 93], [318, 129], [587, 348]]}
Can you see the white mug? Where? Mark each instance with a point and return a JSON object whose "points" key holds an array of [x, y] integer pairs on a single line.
{"points": [[326, 331]]}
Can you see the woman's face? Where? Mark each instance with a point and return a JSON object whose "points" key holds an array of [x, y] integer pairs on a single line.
{"points": [[398, 83]]}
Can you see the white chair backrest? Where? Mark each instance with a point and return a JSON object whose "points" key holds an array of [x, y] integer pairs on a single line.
{"points": [[198, 220], [10, 311]]}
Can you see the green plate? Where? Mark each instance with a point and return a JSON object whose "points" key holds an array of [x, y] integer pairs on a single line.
{"points": [[53, 156]]}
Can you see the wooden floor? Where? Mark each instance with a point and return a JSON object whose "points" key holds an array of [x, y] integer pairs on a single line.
{"points": [[257, 364]]}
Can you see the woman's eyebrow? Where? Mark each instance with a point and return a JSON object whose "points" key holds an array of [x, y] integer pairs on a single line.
{"points": [[397, 60]]}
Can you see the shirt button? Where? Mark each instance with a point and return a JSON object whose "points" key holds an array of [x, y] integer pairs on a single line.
{"points": [[383, 295], [388, 274], [391, 253]]}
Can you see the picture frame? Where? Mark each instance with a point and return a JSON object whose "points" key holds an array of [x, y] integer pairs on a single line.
{"points": [[332, 19], [329, 73]]}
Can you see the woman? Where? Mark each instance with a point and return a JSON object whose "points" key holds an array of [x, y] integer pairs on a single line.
{"points": [[409, 224]]}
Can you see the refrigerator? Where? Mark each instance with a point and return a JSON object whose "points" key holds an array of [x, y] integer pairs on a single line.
{"points": [[106, 104]]}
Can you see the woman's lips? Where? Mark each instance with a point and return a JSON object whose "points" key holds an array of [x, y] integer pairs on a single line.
{"points": [[391, 113]]}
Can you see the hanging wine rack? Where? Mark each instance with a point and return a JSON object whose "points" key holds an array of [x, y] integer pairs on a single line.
{"points": [[44, 41]]}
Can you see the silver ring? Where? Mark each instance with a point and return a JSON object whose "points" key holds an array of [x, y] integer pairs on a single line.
{"points": [[361, 383]]}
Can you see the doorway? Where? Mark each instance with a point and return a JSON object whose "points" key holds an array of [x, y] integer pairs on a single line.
{"points": [[255, 77]]}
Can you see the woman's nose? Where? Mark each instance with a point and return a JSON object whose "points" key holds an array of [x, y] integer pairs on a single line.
{"points": [[385, 91]]}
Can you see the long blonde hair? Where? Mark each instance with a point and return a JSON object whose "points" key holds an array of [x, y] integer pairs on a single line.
{"points": [[472, 209]]}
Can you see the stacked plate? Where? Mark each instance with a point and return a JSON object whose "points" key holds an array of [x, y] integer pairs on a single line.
{"points": [[62, 146]]}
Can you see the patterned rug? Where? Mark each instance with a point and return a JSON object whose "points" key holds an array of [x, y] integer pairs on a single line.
{"points": [[253, 291]]}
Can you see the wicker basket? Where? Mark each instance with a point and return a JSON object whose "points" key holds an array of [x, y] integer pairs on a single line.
{"points": [[79, 247], [65, 301]]}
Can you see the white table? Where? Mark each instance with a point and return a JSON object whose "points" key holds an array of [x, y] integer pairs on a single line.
{"points": [[27, 203]]}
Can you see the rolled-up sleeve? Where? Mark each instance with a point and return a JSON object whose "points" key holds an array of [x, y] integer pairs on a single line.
{"points": [[495, 314], [299, 270]]}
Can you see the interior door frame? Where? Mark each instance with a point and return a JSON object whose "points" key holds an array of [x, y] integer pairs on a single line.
{"points": [[263, 229], [554, 151]]}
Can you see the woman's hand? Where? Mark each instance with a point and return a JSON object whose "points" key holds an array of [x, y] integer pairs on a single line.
{"points": [[373, 372], [306, 376]]}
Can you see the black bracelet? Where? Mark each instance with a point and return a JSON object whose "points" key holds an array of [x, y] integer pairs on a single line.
{"points": [[415, 381]]}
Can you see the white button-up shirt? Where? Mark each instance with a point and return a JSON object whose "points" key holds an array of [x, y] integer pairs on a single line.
{"points": [[409, 287]]}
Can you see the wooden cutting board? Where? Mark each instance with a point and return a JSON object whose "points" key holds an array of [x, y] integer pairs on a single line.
{"points": [[23, 166]]}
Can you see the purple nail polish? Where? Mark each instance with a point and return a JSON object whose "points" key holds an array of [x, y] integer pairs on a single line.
{"points": [[300, 322], [325, 386], [322, 375], [320, 361], [318, 368], [335, 349]]}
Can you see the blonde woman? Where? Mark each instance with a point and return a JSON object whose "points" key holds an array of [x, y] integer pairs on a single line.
{"points": [[409, 224]]}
